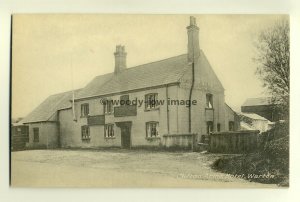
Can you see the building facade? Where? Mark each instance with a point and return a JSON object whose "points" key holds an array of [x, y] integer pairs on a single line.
{"points": [[135, 107]]}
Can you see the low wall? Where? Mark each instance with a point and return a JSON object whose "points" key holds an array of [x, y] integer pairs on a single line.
{"points": [[233, 141], [179, 141]]}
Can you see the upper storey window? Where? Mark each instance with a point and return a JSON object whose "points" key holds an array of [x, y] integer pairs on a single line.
{"points": [[151, 101], [209, 101], [84, 110], [108, 107]]}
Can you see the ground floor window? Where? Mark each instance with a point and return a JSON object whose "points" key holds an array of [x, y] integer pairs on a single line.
{"points": [[109, 130], [231, 125], [36, 135], [85, 133], [152, 129], [219, 127], [209, 127]]}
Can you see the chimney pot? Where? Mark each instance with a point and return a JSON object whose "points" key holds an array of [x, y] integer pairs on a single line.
{"points": [[193, 21]]}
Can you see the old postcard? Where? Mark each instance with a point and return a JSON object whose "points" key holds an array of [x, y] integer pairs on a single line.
{"points": [[115, 100]]}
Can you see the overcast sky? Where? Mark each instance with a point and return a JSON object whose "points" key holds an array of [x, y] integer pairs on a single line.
{"points": [[45, 45]]}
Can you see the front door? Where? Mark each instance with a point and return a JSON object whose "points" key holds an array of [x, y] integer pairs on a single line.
{"points": [[125, 136], [125, 127]]}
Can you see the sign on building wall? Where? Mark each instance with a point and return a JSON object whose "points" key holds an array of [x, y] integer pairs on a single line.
{"points": [[96, 120]]}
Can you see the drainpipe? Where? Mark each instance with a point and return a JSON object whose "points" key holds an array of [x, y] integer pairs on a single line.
{"points": [[167, 96], [190, 107], [47, 140], [190, 98]]}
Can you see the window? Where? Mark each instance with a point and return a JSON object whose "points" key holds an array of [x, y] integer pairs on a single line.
{"points": [[209, 101], [209, 127], [108, 107], [85, 134], [84, 110], [124, 99], [151, 101], [219, 127], [109, 130], [36, 135], [231, 125], [152, 129]]}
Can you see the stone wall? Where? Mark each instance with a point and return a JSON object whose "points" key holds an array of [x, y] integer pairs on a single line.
{"points": [[179, 141]]}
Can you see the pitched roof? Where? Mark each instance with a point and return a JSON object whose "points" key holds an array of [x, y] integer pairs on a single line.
{"points": [[152, 74], [50, 106], [257, 101], [253, 116], [246, 126], [228, 107]]}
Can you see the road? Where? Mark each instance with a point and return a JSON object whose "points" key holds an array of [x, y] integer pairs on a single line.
{"points": [[115, 168]]}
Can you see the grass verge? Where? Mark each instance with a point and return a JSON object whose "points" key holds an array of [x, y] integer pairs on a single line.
{"points": [[269, 165]]}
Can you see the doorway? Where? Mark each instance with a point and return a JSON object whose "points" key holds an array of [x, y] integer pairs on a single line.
{"points": [[125, 134]]}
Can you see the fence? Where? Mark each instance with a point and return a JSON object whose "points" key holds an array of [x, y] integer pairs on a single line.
{"points": [[19, 137], [233, 141]]}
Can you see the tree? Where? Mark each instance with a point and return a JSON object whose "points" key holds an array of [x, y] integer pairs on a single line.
{"points": [[273, 59]]}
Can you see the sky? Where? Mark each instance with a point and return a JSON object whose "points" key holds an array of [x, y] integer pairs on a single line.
{"points": [[53, 53]]}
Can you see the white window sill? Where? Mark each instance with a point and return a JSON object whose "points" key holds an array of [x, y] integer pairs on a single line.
{"points": [[151, 109]]}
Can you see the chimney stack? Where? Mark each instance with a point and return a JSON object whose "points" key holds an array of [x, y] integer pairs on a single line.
{"points": [[120, 59], [193, 40]]}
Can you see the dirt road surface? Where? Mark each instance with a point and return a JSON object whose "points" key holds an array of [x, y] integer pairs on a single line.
{"points": [[115, 168]]}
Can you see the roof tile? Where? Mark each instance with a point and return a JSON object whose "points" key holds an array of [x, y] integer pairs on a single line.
{"points": [[148, 75], [49, 107]]}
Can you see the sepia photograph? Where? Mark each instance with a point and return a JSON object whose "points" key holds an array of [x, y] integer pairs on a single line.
{"points": [[150, 100]]}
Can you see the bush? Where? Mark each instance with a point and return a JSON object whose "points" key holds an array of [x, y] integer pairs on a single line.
{"points": [[271, 158]]}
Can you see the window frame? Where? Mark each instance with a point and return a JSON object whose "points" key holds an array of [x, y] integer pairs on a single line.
{"points": [[87, 136], [147, 104], [149, 123], [36, 138], [109, 136], [218, 127], [229, 125], [209, 123], [122, 98], [85, 110], [209, 100], [107, 103]]}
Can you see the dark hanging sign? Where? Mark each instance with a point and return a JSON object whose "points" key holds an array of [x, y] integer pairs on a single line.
{"points": [[96, 120]]}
